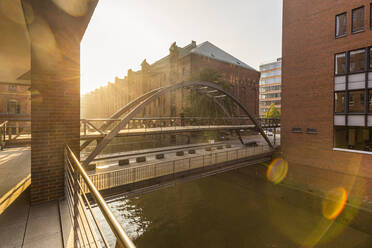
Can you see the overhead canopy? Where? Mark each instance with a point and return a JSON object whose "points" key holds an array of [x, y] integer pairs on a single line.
{"points": [[15, 52]]}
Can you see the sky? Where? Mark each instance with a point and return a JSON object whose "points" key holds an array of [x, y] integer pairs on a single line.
{"points": [[122, 33]]}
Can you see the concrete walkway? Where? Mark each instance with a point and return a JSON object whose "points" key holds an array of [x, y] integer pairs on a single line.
{"points": [[22, 225]]}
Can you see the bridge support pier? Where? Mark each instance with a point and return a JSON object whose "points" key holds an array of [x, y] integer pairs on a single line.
{"points": [[55, 33]]}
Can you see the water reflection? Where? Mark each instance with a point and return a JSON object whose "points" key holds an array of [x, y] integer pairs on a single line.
{"points": [[234, 209], [129, 215]]}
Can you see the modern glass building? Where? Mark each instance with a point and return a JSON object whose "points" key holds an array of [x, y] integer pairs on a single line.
{"points": [[270, 86]]}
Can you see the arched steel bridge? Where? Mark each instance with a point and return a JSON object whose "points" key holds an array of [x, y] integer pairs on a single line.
{"points": [[129, 112]]}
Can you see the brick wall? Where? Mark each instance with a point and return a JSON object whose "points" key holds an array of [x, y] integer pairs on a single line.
{"points": [[309, 46], [55, 80], [245, 82]]}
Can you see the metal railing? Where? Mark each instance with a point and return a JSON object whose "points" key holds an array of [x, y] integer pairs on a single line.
{"points": [[143, 172], [15, 130], [93, 126], [85, 234]]}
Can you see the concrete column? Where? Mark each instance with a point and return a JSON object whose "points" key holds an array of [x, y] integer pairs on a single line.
{"points": [[56, 29]]}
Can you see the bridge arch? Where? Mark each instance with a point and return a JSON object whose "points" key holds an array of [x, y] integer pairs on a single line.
{"points": [[136, 106]]}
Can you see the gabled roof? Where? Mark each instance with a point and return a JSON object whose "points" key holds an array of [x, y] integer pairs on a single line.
{"points": [[207, 49], [25, 76]]}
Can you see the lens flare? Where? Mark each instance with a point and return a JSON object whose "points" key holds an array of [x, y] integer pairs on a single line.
{"points": [[277, 170], [334, 203], [72, 7]]}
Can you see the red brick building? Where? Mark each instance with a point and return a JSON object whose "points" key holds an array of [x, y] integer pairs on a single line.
{"points": [[181, 64], [326, 94], [15, 101]]}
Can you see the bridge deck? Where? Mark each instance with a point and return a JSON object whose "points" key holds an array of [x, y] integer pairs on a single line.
{"points": [[159, 130], [142, 131], [115, 176]]}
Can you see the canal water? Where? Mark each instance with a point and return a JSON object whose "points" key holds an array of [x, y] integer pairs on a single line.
{"points": [[234, 209]]}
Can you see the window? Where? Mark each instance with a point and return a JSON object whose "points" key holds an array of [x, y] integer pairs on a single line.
{"points": [[356, 138], [356, 101], [13, 107], [370, 100], [340, 137], [357, 20], [341, 25], [340, 102], [340, 67], [357, 60], [12, 87], [370, 55]]}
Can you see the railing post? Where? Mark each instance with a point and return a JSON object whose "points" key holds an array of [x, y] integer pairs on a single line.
{"points": [[17, 128], [1, 138], [85, 127], [5, 129], [9, 134], [174, 168], [134, 174]]}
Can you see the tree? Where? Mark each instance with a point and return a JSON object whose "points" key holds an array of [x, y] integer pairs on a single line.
{"points": [[200, 105], [273, 112]]}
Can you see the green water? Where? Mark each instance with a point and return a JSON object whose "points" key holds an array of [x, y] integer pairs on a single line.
{"points": [[231, 210]]}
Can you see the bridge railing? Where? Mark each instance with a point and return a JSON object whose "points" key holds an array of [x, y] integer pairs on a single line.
{"points": [[92, 126], [143, 172], [15, 129], [85, 233], [269, 122]]}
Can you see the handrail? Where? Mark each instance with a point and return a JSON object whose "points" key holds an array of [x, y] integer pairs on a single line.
{"points": [[115, 226], [3, 124], [178, 117]]}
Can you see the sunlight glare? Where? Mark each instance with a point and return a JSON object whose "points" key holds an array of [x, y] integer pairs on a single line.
{"points": [[334, 203], [277, 170]]}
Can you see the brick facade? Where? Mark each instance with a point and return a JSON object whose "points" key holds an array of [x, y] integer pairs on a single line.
{"points": [[15, 101], [309, 47], [180, 65]]}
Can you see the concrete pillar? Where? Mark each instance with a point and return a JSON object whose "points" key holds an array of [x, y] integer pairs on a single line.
{"points": [[56, 29]]}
